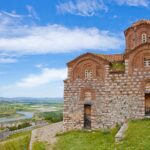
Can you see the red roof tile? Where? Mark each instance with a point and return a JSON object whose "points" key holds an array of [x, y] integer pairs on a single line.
{"points": [[113, 57]]}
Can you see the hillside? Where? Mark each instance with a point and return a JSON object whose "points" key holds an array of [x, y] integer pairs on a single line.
{"points": [[137, 138]]}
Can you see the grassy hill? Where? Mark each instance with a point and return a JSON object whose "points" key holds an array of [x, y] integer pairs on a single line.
{"points": [[137, 138], [18, 141]]}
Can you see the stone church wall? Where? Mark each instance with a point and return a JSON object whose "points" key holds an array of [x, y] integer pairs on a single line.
{"points": [[117, 98]]}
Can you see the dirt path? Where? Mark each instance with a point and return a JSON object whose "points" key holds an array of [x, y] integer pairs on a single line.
{"points": [[46, 134]]}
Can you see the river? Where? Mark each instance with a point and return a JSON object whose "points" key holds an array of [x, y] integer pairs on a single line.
{"points": [[25, 115]]}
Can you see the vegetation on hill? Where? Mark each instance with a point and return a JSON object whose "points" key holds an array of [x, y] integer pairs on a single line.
{"points": [[18, 141], [54, 116], [20, 126]]}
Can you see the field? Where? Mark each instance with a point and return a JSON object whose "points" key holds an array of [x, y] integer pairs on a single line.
{"points": [[48, 110], [33, 109], [137, 138]]}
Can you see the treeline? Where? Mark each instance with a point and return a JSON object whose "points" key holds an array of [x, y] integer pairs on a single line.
{"points": [[54, 116], [20, 126]]}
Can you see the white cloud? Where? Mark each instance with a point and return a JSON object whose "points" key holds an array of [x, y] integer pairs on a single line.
{"points": [[56, 39], [40, 66], [82, 8], [33, 39], [11, 14], [48, 83], [46, 76], [32, 12], [144, 3]]}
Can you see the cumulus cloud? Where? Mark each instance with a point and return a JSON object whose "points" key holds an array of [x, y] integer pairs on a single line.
{"points": [[144, 3], [47, 75], [82, 8], [56, 39], [34, 39]]}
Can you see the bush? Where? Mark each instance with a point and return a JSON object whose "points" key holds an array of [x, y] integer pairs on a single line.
{"points": [[20, 126], [117, 66], [55, 116]]}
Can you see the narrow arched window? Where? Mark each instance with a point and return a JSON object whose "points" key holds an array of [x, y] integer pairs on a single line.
{"points": [[146, 62], [144, 38], [88, 74]]}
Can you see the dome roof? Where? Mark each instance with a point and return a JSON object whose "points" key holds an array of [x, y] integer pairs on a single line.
{"points": [[138, 23]]}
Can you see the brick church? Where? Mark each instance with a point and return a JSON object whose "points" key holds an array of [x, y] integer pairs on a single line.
{"points": [[104, 90]]}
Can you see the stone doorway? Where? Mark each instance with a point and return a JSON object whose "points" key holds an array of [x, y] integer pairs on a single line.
{"points": [[147, 104], [87, 116]]}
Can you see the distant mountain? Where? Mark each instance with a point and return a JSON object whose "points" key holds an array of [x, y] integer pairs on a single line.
{"points": [[31, 100]]}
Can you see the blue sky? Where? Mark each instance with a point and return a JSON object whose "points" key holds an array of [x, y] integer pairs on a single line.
{"points": [[38, 38]]}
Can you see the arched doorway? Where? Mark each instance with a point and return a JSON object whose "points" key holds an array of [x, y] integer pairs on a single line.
{"points": [[87, 116], [147, 104], [87, 98], [147, 98]]}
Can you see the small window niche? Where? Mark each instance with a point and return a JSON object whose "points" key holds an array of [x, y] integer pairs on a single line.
{"points": [[147, 62], [144, 38], [88, 74]]}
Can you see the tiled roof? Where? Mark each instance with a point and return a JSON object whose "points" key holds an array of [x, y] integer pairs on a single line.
{"points": [[113, 57]]}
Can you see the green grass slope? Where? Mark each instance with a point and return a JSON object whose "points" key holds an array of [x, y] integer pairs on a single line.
{"points": [[137, 137], [84, 140], [39, 146], [16, 142]]}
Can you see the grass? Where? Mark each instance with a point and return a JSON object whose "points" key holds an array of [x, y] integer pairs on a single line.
{"points": [[84, 140], [137, 136], [13, 136], [39, 145], [18, 141]]}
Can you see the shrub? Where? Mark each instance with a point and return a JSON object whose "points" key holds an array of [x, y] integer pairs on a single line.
{"points": [[117, 66], [55, 116], [20, 126]]}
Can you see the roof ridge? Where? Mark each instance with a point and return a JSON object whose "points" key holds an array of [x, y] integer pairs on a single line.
{"points": [[112, 57]]}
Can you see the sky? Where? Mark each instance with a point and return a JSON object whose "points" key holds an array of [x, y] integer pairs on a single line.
{"points": [[38, 38]]}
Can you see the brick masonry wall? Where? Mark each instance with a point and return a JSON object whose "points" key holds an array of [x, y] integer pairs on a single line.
{"points": [[118, 97]]}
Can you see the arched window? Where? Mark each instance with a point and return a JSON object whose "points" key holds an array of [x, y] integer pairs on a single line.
{"points": [[146, 62], [144, 38], [88, 74]]}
